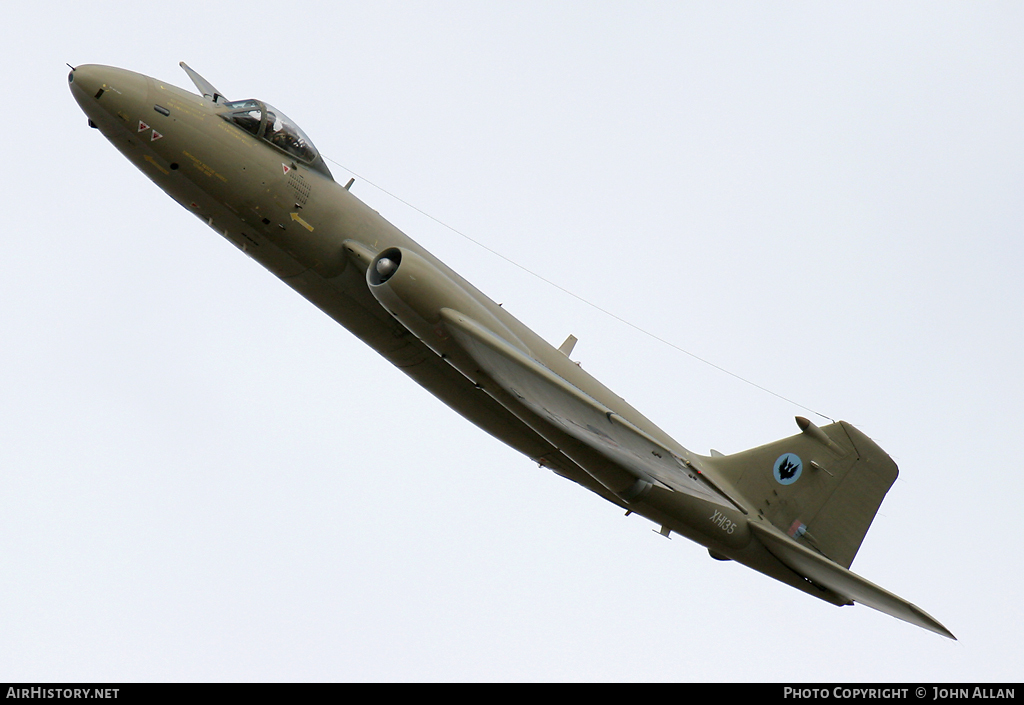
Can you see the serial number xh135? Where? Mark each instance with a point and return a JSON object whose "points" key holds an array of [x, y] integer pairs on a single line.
{"points": [[796, 510]]}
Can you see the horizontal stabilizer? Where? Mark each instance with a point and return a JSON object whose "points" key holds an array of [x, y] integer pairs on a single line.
{"points": [[824, 572]]}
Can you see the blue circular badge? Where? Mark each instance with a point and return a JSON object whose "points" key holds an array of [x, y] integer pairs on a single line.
{"points": [[788, 468]]}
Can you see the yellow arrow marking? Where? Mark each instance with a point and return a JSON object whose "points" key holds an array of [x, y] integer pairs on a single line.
{"points": [[300, 221], [153, 162]]}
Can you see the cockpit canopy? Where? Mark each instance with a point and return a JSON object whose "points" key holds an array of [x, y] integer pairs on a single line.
{"points": [[270, 124]]}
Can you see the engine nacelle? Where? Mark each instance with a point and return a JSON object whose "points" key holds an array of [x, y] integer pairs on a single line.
{"points": [[414, 291]]}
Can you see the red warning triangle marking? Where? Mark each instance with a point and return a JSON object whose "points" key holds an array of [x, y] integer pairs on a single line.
{"points": [[143, 126], [285, 167], [155, 137]]}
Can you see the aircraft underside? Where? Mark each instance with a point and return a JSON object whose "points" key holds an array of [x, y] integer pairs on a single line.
{"points": [[796, 509]]}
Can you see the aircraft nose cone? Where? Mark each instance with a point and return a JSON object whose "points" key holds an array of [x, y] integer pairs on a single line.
{"points": [[105, 87], [84, 81]]}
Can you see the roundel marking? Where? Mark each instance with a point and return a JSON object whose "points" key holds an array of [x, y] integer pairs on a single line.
{"points": [[788, 468]]}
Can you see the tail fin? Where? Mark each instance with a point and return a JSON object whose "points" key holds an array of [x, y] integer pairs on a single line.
{"points": [[821, 487]]}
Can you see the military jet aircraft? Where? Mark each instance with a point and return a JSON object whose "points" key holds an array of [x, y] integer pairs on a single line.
{"points": [[796, 510]]}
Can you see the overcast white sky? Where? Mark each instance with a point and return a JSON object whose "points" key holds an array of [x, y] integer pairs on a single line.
{"points": [[205, 478]]}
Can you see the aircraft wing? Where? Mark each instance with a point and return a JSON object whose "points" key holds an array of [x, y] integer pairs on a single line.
{"points": [[578, 414], [621, 442]]}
